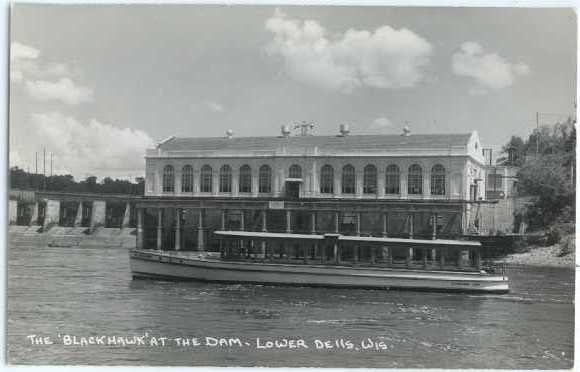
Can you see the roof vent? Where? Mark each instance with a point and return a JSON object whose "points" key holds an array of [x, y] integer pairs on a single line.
{"points": [[285, 129], [344, 130], [406, 131], [229, 133]]}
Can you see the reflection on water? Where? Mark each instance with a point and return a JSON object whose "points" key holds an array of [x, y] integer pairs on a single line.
{"points": [[87, 291]]}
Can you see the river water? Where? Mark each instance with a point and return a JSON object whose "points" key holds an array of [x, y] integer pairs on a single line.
{"points": [[57, 293]]}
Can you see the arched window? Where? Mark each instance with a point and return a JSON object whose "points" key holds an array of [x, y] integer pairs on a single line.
{"points": [[295, 171], [245, 178], [348, 179], [265, 179], [370, 179], [187, 179], [438, 180], [205, 179], [168, 179], [225, 178], [415, 180], [327, 180], [392, 179]]}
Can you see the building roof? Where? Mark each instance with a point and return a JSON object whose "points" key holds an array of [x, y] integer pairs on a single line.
{"points": [[414, 145], [322, 144]]}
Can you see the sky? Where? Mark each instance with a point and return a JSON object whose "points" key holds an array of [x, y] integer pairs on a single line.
{"points": [[95, 85]]}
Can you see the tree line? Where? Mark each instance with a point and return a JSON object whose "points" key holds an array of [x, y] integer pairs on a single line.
{"points": [[547, 161], [22, 180]]}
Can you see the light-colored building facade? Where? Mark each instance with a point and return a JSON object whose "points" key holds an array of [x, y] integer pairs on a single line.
{"points": [[411, 185], [386, 167]]}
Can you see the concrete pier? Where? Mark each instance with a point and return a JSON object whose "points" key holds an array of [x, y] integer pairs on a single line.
{"points": [[79, 216], [52, 212], [12, 211], [98, 214], [126, 217], [34, 215]]}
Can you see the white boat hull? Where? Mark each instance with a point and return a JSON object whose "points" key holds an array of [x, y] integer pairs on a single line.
{"points": [[183, 266]]}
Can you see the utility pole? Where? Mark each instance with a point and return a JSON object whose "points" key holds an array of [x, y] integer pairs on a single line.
{"points": [[51, 164], [36, 162], [537, 133], [44, 168]]}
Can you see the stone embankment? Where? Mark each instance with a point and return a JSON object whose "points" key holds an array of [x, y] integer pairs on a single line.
{"points": [[73, 236], [541, 256]]}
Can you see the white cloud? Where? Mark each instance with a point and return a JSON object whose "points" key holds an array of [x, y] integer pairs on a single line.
{"points": [[381, 123], [489, 70], [26, 65], [386, 58], [93, 147], [21, 51], [21, 55], [214, 106], [64, 90]]}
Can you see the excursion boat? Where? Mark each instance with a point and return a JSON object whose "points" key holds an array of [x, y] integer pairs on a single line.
{"points": [[329, 260]]}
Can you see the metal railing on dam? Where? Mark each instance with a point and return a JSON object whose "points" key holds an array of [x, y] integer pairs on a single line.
{"points": [[32, 196]]}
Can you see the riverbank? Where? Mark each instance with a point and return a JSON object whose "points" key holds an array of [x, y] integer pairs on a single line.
{"points": [[541, 256]]}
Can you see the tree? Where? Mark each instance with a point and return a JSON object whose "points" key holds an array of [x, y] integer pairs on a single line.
{"points": [[19, 179], [547, 180], [513, 152], [547, 161]]}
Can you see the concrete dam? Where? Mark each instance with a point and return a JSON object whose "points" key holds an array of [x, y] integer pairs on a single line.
{"points": [[72, 219]]}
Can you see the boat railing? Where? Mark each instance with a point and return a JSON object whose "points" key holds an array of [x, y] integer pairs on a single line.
{"points": [[499, 268], [356, 251]]}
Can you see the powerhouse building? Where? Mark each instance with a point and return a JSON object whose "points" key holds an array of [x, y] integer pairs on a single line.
{"points": [[424, 186]]}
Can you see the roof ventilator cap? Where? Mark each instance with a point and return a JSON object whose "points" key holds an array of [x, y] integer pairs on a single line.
{"points": [[344, 130], [285, 129]]}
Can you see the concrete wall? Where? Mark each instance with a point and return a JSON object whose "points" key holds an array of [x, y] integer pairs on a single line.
{"points": [[99, 213], [497, 217], [52, 212], [12, 211]]}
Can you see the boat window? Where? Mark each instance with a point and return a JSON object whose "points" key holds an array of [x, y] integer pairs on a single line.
{"points": [[245, 178], [415, 180], [168, 179], [348, 179], [327, 180]]}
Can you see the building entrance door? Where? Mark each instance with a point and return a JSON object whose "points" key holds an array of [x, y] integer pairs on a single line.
{"points": [[292, 189]]}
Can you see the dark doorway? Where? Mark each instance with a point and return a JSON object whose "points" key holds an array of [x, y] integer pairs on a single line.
{"points": [[292, 189]]}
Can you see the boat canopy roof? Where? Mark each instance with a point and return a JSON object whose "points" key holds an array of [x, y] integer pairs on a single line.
{"points": [[268, 235], [347, 238], [372, 239]]}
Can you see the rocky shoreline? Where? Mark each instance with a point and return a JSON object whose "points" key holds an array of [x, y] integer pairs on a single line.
{"points": [[541, 256]]}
